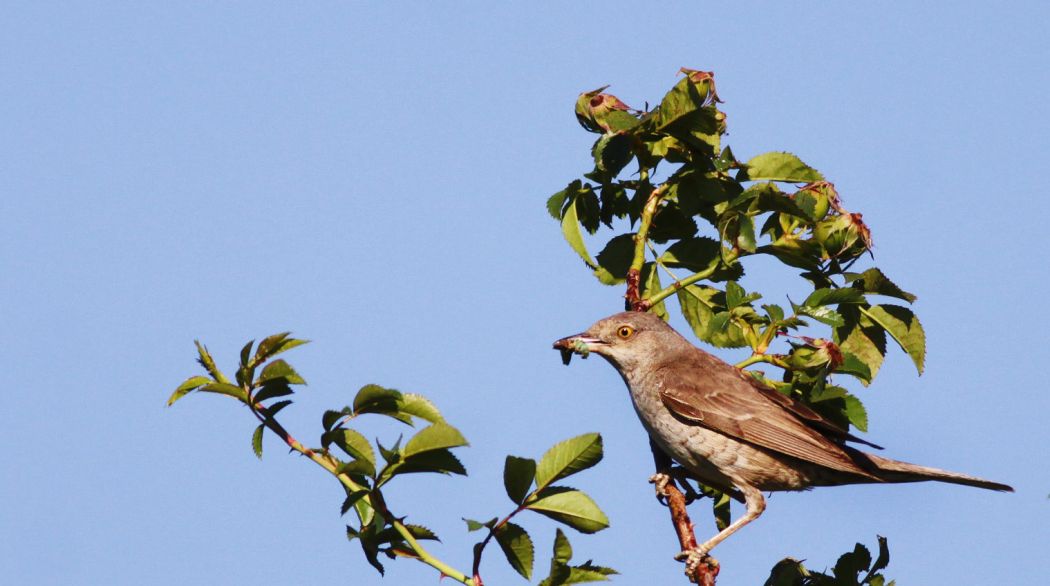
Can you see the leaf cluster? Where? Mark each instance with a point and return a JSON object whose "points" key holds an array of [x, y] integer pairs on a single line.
{"points": [[706, 216], [855, 568], [364, 469]]}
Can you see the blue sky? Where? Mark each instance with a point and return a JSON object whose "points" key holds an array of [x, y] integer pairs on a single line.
{"points": [[373, 177]]}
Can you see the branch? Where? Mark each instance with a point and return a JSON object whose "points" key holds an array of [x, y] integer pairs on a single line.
{"points": [[640, 239], [707, 571]]}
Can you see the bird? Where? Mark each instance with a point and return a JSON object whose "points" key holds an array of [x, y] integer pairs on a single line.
{"points": [[727, 429]]}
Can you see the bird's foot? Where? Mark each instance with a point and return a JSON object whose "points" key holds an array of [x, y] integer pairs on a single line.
{"points": [[696, 557], [660, 482]]}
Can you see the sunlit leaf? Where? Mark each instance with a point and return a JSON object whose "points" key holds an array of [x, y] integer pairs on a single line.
{"points": [[517, 546], [279, 369], [571, 507], [778, 166], [257, 439], [568, 457], [904, 327], [518, 474]]}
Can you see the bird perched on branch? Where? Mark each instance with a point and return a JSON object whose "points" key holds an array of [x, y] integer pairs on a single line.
{"points": [[729, 430]]}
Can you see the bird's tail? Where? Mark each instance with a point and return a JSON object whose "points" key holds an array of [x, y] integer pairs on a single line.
{"points": [[896, 471]]}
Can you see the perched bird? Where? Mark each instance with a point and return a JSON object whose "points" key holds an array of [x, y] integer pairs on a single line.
{"points": [[726, 428]]}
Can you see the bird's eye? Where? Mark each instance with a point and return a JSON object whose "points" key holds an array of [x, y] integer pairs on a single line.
{"points": [[625, 332]]}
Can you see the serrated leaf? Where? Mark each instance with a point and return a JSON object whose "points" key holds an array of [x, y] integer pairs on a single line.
{"points": [[279, 369], [651, 286], [571, 507], [862, 338], [854, 366], [188, 386], [612, 152], [204, 359], [874, 281], [588, 573], [330, 418], [352, 443], [436, 461], [615, 260], [274, 409], [421, 407], [273, 388], [904, 327], [517, 546], [568, 457], [779, 166], [856, 413], [570, 229], [246, 353], [829, 296], [703, 308], [274, 345], [382, 401], [257, 439], [694, 254], [822, 314], [434, 437], [225, 389], [518, 474]]}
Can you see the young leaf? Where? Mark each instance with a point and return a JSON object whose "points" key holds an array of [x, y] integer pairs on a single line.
{"points": [[225, 389], [352, 443], [330, 418], [257, 439], [473, 525], [274, 409], [568, 457], [205, 360], [902, 325], [562, 548], [517, 546], [571, 507], [274, 345], [434, 437], [779, 166], [246, 353], [279, 369], [186, 387], [570, 228]]}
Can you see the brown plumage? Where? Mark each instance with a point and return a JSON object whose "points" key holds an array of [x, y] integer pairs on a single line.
{"points": [[727, 429]]}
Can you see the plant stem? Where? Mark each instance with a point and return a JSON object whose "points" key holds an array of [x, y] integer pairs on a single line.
{"points": [[375, 497], [674, 287]]}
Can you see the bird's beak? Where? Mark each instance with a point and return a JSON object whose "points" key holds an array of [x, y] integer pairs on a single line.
{"points": [[581, 344]]}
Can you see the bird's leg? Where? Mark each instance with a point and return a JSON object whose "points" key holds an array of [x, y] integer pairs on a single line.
{"points": [[755, 502], [660, 480]]}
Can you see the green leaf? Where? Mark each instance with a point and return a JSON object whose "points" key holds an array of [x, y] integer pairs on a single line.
{"points": [[273, 345], [436, 461], [257, 439], [694, 254], [779, 166], [351, 498], [420, 406], [436, 436], [188, 386], [856, 413], [862, 338], [570, 229], [902, 325], [720, 509], [330, 418], [588, 572], [517, 546], [615, 259], [246, 353], [204, 359], [562, 547], [822, 314], [556, 203], [568, 457], [612, 153], [352, 443], [873, 281], [225, 389], [473, 525], [279, 369], [571, 507], [704, 309], [690, 94], [829, 296], [274, 409], [518, 474], [376, 399], [273, 388], [854, 366]]}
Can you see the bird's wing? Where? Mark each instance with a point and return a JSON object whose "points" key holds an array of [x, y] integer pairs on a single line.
{"points": [[713, 394], [807, 415]]}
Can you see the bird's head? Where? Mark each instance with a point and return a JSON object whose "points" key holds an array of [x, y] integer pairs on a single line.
{"points": [[623, 339]]}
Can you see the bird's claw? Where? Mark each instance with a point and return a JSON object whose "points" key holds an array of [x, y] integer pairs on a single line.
{"points": [[660, 481], [693, 558]]}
